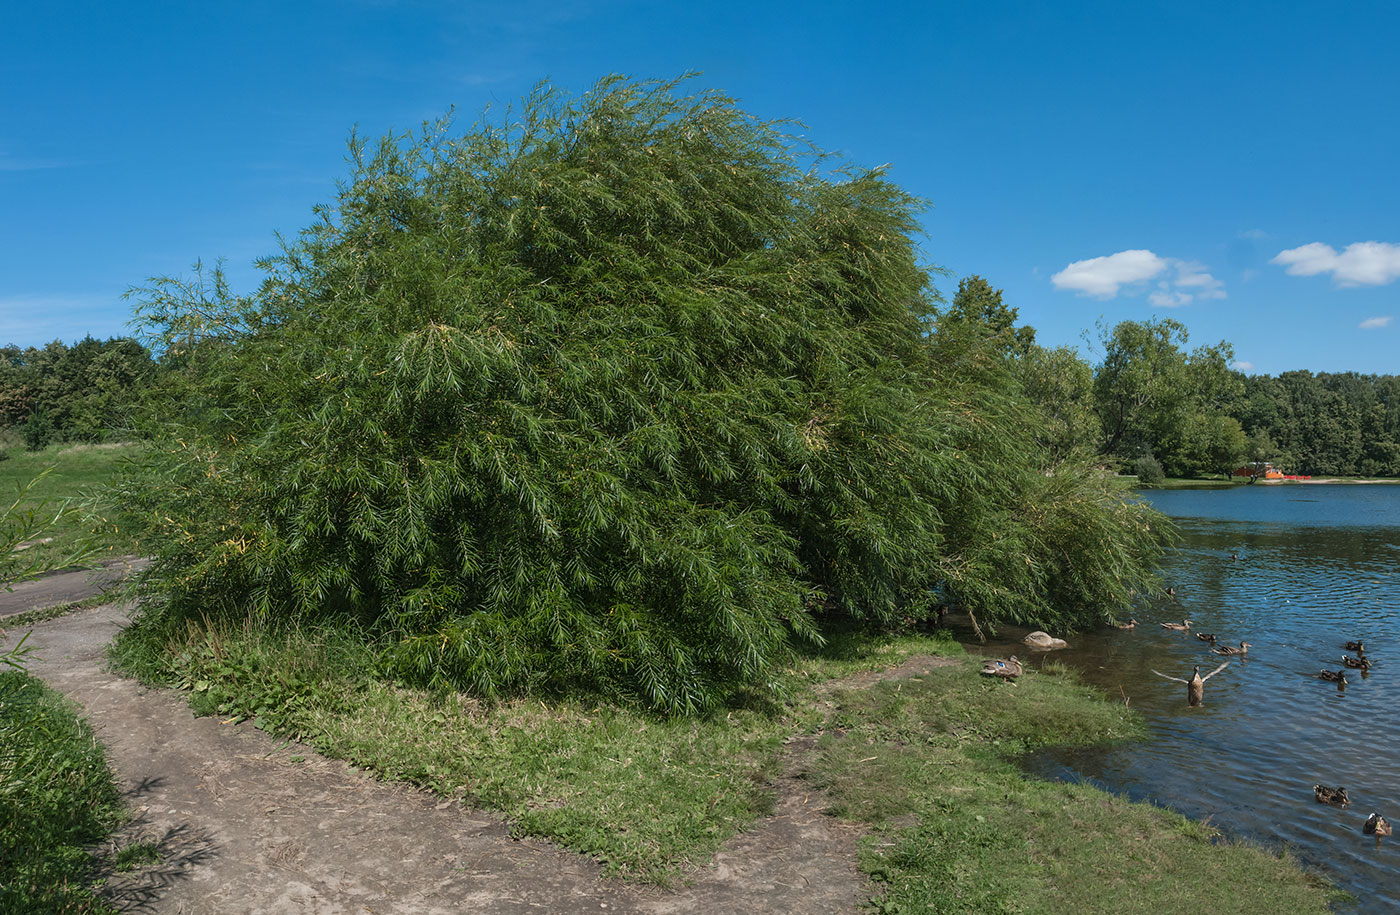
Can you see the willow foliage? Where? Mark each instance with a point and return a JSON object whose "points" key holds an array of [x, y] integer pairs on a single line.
{"points": [[618, 393]]}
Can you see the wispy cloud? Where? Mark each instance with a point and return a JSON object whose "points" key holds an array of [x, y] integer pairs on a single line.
{"points": [[1372, 323], [1241, 366], [32, 320], [1179, 282], [1364, 263]]}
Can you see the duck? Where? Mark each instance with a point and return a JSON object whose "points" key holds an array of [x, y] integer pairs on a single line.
{"points": [[1327, 795], [1128, 625], [1356, 646], [1171, 592], [1206, 637], [1007, 670], [1196, 686], [1182, 626], [1376, 825], [1227, 650], [1358, 663], [1333, 676]]}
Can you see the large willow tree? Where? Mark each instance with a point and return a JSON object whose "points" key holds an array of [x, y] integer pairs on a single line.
{"points": [[620, 393]]}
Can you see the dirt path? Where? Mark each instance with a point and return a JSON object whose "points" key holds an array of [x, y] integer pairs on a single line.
{"points": [[250, 824], [66, 587]]}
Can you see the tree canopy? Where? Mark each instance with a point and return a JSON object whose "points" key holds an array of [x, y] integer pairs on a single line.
{"points": [[618, 393]]}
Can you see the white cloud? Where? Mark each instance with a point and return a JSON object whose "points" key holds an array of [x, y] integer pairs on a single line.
{"points": [[1240, 366], [1105, 277], [1166, 298], [1363, 263], [1370, 323], [1193, 276], [1102, 277]]}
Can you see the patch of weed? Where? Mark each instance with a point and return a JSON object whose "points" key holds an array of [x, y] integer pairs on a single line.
{"points": [[57, 799]]}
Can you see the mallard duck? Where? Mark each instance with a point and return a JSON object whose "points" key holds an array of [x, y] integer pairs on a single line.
{"points": [[1227, 650], [1327, 795], [1358, 663], [1206, 637], [1333, 676], [1182, 626], [1376, 825], [1356, 646], [1007, 670], [1128, 625], [1196, 686]]}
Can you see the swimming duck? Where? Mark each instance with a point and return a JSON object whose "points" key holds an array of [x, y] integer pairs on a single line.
{"points": [[1206, 637], [1376, 825], [1196, 686], [1327, 795], [1358, 663], [1333, 676], [1182, 626], [1007, 670], [1355, 646], [1128, 625], [1227, 650]]}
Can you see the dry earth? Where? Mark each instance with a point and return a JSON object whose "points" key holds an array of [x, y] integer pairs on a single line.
{"points": [[248, 823]]}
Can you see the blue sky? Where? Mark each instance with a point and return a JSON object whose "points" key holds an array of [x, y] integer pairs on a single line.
{"points": [[1229, 165]]}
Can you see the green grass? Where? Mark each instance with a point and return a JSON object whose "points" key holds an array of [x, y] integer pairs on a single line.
{"points": [[57, 798], [925, 762], [75, 473], [958, 828]]}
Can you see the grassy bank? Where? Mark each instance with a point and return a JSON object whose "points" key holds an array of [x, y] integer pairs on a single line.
{"points": [[57, 799], [925, 763], [74, 473]]}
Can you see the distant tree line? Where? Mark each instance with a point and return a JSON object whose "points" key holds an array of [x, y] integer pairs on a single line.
{"points": [[79, 393], [1153, 407]]}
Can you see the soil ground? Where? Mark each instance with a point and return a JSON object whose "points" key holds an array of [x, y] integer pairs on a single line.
{"points": [[248, 823]]}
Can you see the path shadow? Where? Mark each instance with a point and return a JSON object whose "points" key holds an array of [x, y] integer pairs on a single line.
{"points": [[178, 850]]}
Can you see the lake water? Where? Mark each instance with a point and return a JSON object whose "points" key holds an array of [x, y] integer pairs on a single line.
{"points": [[1318, 565]]}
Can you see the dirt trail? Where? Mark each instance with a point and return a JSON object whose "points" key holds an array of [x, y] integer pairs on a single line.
{"points": [[250, 824]]}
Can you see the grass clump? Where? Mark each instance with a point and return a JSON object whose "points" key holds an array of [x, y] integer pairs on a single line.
{"points": [[958, 828], [57, 799]]}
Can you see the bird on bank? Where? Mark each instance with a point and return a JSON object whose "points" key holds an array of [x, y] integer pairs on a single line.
{"points": [[1356, 646], [1206, 637], [1227, 650], [1327, 795], [1362, 664], [1376, 825], [1333, 676], [1196, 686], [1182, 626], [1007, 670]]}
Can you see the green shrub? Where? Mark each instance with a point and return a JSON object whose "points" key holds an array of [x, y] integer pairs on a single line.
{"points": [[608, 397], [1149, 471]]}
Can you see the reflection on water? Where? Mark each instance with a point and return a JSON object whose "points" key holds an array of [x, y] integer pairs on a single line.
{"points": [[1318, 566]]}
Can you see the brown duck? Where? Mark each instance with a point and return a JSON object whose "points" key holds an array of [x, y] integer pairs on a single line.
{"points": [[1357, 663], [1327, 795], [1357, 646], [1182, 626], [1196, 686], [1376, 825], [1333, 676], [1227, 650], [1206, 637], [1007, 670], [1128, 625]]}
